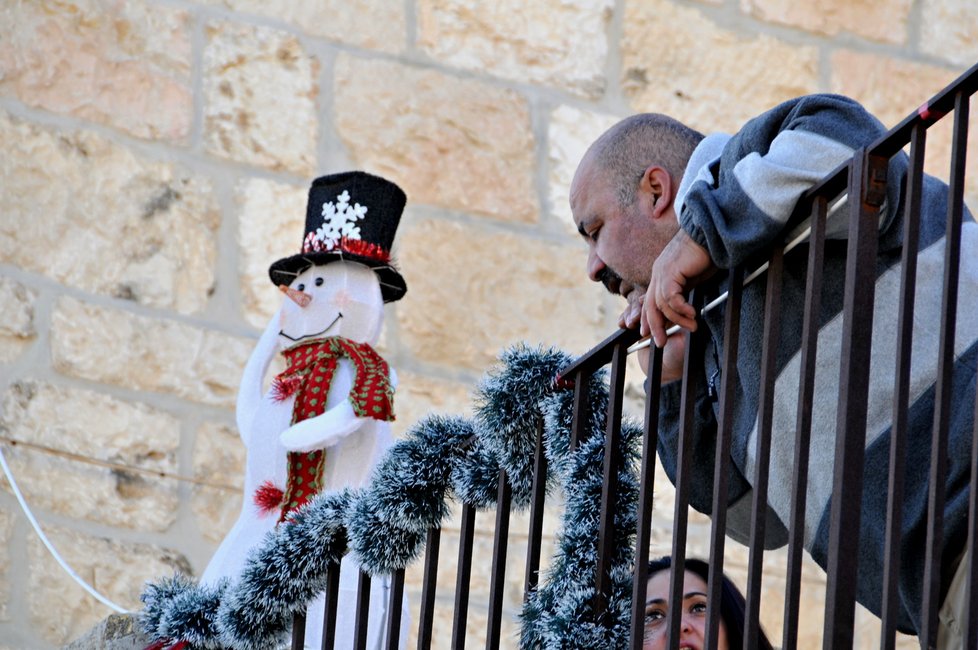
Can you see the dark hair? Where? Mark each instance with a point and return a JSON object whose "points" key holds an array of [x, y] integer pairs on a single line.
{"points": [[625, 150], [732, 603]]}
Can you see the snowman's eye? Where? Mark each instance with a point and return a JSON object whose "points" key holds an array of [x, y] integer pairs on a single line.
{"points": [[301, 287], [319, 282]]}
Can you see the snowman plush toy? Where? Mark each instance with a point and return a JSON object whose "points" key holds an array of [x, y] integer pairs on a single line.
{"points": [[324, 422]]}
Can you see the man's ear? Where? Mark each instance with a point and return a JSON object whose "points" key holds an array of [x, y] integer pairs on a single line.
{"points": [[656, 186]]}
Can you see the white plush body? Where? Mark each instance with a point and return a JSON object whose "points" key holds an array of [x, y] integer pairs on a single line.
{"points": [[353, 444]]}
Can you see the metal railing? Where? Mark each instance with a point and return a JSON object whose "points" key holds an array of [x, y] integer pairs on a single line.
{"points": [[863, 180]]}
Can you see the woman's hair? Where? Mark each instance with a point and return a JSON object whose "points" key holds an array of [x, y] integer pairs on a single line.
{"points": [[732, 603]]}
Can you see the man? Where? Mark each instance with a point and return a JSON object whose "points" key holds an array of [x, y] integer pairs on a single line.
{"points": [[663, 208]]}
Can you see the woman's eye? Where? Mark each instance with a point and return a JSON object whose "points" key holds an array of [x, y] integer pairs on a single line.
{"points": [[654, 616], [319, 282], [698, 608]]}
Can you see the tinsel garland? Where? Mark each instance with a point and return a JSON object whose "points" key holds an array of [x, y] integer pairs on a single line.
{"points": [[384, 524]]}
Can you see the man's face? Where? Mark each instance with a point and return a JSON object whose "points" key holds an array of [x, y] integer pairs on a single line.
{"points": [[622, 242]]}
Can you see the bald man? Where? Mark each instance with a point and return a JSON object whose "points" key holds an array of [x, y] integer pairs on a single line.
{"points": [[663, 208]]}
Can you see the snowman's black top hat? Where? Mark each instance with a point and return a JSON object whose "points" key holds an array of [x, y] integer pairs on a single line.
{"points": [[350, 216]]}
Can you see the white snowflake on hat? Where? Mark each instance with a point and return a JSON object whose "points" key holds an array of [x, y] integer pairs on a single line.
{"points": [[339, 222]]}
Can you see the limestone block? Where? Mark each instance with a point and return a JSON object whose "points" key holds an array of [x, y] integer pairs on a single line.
{"points": [[60, 610], [449, 142], [561, 44], [17, 327], [886, 24], [370, 24], [219, 461], [92, 426], [891, 90], [119, 348], [418, 396], [949, 30], [271, 225], [496, 290], [124, 64], [114, 632], [90, 214], [710, 77], [260, 98], [569, 135]]}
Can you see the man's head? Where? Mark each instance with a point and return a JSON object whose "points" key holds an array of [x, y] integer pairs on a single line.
{"points": [[622, 197]]}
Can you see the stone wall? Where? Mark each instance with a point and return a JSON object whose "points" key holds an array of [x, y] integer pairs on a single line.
{"points": [[156, 155]]}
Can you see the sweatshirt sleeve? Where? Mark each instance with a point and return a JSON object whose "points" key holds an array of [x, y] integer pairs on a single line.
{"points": [[745, 201]]}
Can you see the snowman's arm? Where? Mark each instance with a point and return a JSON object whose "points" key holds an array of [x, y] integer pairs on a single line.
{"points": [[324, 430], [336, 423], [250, 389]]}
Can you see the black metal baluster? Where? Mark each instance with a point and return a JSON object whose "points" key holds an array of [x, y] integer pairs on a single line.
{"points": [[429, 585], [765, 415], [497, 584], [803, 426], [867, 190], [942, 399], [298, 630], [582, 415], [609, 489], [901, 397], [330, 606], [464, 576], [395, 604], [687, 406], [721, 467], [535, 540], [363, 612], [643, 537]]}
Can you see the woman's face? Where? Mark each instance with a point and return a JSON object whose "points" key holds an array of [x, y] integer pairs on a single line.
{"points": [[693, 621]]}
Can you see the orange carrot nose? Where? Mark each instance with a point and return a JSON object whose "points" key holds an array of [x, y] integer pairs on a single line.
{"points": [[298, 297]]}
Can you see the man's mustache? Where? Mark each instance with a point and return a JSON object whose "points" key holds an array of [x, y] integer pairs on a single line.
{"points": [[610, 280]]}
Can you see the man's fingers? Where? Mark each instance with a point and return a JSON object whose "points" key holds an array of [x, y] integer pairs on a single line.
{"points": [[657, 325], [680, 312]]}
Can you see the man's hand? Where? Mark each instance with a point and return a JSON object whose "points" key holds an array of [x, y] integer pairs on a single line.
{"points": [[681, 261], [631, 317], [672, 358]]}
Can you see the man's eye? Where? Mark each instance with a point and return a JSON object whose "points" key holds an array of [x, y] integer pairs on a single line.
{"points": [[593, 235]]}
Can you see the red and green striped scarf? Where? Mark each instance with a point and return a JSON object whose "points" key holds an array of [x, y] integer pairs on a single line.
{"points": [[308, 375]]}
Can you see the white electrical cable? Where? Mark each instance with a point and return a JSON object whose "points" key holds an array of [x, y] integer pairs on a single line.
{"points": [[40, 533]]}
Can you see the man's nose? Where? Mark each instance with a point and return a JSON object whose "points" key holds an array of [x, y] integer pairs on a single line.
{"points": [[594, 265], [298, 297]]}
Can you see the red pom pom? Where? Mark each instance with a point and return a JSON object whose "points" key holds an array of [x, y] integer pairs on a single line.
{"points": [[282, 389], [268, 497]]}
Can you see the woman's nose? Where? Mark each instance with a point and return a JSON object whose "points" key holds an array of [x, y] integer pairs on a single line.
{"points": [[298, 297]]}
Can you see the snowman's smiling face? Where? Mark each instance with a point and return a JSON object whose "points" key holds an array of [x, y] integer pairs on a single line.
{"points": [[336, 299]]}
